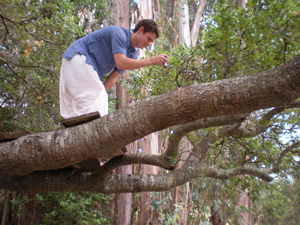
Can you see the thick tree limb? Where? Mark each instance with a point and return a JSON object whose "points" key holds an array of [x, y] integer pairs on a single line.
{"points": [[57, 149], [163, 160], [64, 181]]}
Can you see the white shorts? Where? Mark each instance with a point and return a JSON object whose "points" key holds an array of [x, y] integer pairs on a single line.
{"points": [[80, 89]]}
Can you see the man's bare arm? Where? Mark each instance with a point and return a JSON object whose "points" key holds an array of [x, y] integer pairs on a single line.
{"points": [[124, 63], [111, 79]]}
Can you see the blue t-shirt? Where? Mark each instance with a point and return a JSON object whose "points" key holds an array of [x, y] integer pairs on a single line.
{"points": [[100, 46]]}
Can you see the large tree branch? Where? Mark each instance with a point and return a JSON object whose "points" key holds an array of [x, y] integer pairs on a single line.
{"points": [[57, 149], [95, 182], [179, 132], [64, 180], [196, 24]]}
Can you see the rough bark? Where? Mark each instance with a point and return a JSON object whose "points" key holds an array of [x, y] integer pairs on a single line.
{"points": [[57, 149]]}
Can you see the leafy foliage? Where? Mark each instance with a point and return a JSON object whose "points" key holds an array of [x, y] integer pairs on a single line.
{"points": [[280, 205], [34, 34], [73, 208], [62, 208], [233, 42], [168, 211]]}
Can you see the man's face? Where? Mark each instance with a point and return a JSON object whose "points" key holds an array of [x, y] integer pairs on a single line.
{"points": [[145, 39]]}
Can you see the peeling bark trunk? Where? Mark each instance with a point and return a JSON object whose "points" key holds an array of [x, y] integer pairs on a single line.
{"points": [[150, 146], [145, 9], [123, 201], [182, 193], [6, 208]]}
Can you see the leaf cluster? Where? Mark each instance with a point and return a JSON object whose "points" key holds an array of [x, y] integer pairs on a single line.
{"points": [[66, 208]]}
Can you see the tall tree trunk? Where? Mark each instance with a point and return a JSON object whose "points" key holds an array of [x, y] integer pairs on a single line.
{"points": [[242, 200], [240, 3], [150, 146], [196, 24], [184, 25], [123, 202], [146, 9], [6, 208], [186, 38], [149, 143]]}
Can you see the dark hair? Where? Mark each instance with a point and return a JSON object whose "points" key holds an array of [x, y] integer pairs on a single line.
{"points": [[149, 26]]}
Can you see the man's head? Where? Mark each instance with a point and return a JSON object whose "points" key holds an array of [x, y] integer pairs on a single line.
{"points": [[149, 26], [145, 33]]}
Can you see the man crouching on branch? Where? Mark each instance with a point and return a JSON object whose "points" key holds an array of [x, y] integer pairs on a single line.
{"points": [[110, 50]]}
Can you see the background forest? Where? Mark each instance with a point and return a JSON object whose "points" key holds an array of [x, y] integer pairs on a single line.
{"points": [[206, 41]]}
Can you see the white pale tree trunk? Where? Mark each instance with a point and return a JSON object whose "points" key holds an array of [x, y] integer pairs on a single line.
{"points": [[196, 25], [240, 3], [187, 39], [150, 142], [183, 23], [146, 9]]}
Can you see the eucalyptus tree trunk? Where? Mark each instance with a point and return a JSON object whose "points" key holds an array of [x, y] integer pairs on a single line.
{"points": [[150, 143], [186, 38], [183, 23], [196, 25], [240, 3], [123, 201], [182, 193]]}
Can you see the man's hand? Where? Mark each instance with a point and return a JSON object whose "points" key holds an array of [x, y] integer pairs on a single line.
{"points": [[124, 63], [160, 60]]}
